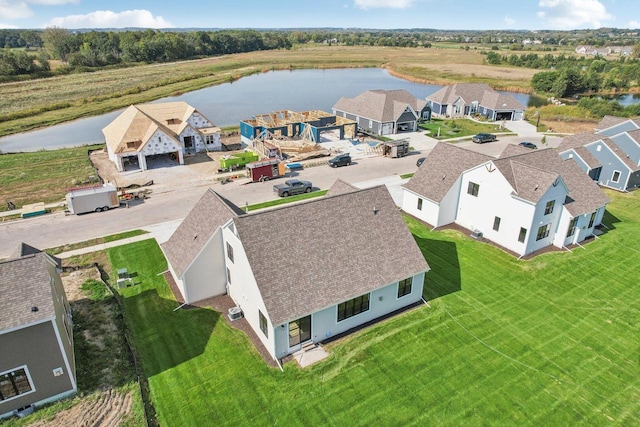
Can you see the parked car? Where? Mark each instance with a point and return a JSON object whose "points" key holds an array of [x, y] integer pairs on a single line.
{"points": [[527, 144], [403, 127], [483, 137], [291, 187], [340, 160], [420, 161]]}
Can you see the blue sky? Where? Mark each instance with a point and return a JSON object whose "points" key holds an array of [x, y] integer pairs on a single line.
{"points": [[381, 14]]}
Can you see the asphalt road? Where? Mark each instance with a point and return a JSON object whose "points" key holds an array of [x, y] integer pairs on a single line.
{"points": [[165, 210]]}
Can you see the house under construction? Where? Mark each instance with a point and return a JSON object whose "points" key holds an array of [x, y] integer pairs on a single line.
{"points": [[293, 132]]}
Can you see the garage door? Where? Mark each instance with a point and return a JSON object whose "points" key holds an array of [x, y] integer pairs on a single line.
{"points": [[387, 128]]}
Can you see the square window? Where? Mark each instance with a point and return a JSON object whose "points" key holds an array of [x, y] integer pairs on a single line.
{"points": [[549, 208], [522, 235], [496, 223], [473, 189], [543, 232], [404, 287]]}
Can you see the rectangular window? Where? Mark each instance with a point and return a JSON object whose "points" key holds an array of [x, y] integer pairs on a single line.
{"points": [[543, 232], [419, 204], [549, 208], [616, 176], [353, 306], [473, 189], [228, 275], [14, 383], [496, 223], [572, 226], [230, 252], [404, 287], [592, 220], [263, 324], [522, 235]]}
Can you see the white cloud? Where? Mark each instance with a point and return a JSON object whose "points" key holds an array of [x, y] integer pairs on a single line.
{"points": [[392, 4], [509, 21], [109, 19], [10, 9], [8, 26], [572, 14], [633, 24]]}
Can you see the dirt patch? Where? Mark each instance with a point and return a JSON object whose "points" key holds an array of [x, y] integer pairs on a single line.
{"points": [[569, 126]]}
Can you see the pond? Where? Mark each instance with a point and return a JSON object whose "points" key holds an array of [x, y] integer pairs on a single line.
{"points": [[227, 104]]}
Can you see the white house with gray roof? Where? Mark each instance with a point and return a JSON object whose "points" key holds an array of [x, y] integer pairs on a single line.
{"points": [[523, 201], [611, 155], [384, 112], [467, 99], [300, 273], [37, 363]]}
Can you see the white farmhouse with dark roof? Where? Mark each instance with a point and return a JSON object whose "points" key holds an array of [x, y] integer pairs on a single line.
{"points": [[37, 363], [300, 273], [168, 130], [384, 112], [466, 99], [523, 201]]}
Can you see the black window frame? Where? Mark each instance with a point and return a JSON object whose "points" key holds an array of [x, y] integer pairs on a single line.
{"points": [[354, 307], [592, 219], [419, 203], [230, 252], [473, 189], [405, 287], [549, 207], [262, 320], [522, 235], [572, 226], [12, 383], [496, 223], [543, 232]]}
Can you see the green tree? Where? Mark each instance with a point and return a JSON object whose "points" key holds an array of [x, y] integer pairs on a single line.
{"points": [[58, 42]]}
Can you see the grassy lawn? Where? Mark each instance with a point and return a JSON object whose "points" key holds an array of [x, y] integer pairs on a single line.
{"points": [[551, 341], [458, 128], [93, 242], [43, 176], [284, 200]]}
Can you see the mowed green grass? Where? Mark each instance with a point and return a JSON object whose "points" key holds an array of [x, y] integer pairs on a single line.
{"points": [[550, 341]]}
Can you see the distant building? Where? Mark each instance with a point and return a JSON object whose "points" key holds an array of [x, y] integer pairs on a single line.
{"points": [[464, 99]]}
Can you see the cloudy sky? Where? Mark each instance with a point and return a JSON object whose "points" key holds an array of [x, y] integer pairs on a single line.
{"points": [[438, 14]]}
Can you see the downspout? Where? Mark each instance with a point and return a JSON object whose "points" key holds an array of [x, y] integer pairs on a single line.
{"points": [[279, 365]]}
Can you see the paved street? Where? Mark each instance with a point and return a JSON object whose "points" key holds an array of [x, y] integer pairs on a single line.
{"points": [[163, 211]]}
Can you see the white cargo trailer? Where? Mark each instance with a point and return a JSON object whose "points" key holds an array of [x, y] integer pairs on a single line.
{"points": [[96, 199]]}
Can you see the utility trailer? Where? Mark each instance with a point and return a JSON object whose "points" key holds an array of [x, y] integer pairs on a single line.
{"points": [[264, 170], [93, 199]]}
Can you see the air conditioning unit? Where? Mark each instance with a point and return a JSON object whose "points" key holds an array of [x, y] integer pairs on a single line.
{"points": [[235, 313], [476, 234]]}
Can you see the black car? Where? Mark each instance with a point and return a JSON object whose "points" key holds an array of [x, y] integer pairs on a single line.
{"points": [[340, 160], [420, 161], [526, 144], [483, 137]]}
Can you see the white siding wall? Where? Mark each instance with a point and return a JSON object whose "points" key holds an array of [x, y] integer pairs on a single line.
{"points": [[243, 289], [429, 211], [324, 323], [561, 238], [449, 205], [557, 193], [206, 276]]}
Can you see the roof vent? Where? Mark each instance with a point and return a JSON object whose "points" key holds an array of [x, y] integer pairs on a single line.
{"points": [[536, 187], [34, 309], [375, 210], [443, 177]]}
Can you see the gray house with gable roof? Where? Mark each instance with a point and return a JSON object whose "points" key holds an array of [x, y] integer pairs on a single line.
{"points": [[464, 99], [611, 155], [37, 362], [292, 270], [384, 112], [523, 201]]}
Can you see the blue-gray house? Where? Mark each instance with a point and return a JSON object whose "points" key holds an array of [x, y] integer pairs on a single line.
{"points": [[466, 99]]}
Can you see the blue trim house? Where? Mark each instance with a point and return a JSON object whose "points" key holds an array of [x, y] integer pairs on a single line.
{"points": [[467, 99]]}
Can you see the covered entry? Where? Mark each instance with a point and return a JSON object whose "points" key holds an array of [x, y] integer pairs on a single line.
{"points": [[299, 331]]}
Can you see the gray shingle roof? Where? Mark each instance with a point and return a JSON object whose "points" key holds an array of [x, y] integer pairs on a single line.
{"points": [[608, 121], [585, 196], [327, 251], [380, 105], [610, 142], [529, 182], [340, 187], [587, 157], [480, 92], [578, 140], [441, 169], [25, 282], [211, 212]]}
